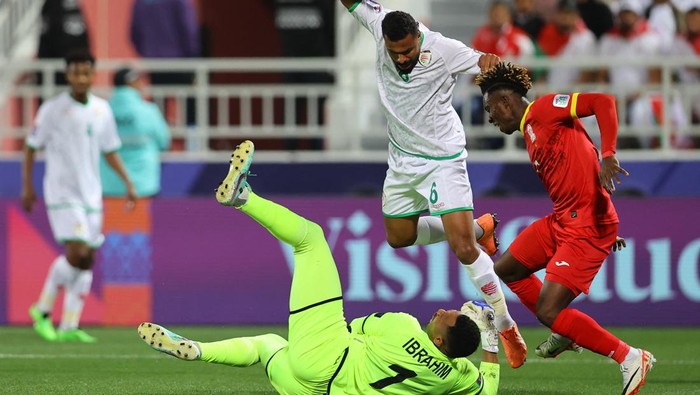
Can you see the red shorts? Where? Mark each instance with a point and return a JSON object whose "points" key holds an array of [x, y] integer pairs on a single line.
{"points": [[572, 256]]}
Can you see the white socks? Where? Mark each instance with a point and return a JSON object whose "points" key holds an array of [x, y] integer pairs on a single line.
{"points": [[487, 282], [75, 295], [60, 273], [430, 230], [76, 285]]}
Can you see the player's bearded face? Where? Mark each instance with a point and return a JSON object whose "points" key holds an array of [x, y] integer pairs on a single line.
{"points": [[404, 52]]}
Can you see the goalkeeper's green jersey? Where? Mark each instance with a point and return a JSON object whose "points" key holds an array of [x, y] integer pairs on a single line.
{"points": [[391, 354]]}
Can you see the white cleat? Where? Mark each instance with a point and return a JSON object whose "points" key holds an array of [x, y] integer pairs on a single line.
{"points": [[634, 372], [555, 345], [235, 182], [165, 341]]}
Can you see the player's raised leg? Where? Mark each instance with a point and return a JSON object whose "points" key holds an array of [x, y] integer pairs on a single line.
{"points": [[317, 327], [430, 230], [480, 269]]}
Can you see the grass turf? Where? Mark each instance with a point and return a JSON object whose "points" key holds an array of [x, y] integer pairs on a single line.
{"points": [[120, 363]]}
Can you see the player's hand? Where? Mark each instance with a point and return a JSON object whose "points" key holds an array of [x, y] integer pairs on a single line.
{"points": [[130, 197], [28, 199], [487, 61], [483, 315], [620, 243], [609, 171]]}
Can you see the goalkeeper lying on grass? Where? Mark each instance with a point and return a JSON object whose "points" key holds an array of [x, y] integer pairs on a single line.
{"points": [[387, 353]]}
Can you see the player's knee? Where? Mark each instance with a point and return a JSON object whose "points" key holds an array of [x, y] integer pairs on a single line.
{"points": [[313, 231], [505, 273], [547, 315], [466, 252], [81, 259], [400, 240]]}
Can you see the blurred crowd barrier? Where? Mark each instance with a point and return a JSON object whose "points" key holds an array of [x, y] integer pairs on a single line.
{"points": [[344, 116]]}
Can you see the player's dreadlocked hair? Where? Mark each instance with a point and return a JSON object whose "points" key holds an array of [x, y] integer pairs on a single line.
{"points": [[505, 75], [463, 338], [398, 24]]}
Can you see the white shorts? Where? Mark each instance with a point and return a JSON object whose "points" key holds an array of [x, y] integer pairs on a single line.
{"points": [[74, 223], [415, 185]]}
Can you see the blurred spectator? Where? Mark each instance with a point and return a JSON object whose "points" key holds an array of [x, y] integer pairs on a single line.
{"points": [[63, 30], [631, 38], [167, 29], [687, 44], [596, 15], [500, 37], [526, 17], [144, 134], [306, 29], [666, 19], [566, 36]]}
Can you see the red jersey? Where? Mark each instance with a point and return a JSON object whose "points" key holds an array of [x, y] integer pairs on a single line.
{"points": [[566, 160]]}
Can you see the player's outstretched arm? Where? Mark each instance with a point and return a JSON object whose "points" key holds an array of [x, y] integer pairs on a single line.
{"points": [[349, 3], [483, 315], [28, 194], [603, 107], [115, 162]]}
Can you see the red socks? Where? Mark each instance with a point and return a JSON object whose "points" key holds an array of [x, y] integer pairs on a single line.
{"points": [[583, 330], [572, 323]]}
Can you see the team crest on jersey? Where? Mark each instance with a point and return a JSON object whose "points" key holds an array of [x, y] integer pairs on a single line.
{"points": [[425, 58], [561, 101], [530, 132], [375, 6]]}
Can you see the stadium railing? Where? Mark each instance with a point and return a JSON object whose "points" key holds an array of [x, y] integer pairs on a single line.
{"points": [[346, 113]]}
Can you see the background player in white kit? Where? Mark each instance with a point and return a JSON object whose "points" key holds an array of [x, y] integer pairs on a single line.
{"points": [[73, 128], [416, 74]]}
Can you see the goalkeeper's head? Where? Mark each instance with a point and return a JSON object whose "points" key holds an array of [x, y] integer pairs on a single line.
{"points": [[454, 333], [504, 87]]}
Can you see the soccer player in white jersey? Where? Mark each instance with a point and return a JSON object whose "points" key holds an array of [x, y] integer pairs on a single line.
{"points": [[73, 129], [416, 74]]}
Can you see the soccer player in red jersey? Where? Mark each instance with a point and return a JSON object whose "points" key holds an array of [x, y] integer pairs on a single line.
{"points": [[572, 242]]}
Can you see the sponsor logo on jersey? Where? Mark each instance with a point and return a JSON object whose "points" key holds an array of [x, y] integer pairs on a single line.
{"points": [[562, 263], [375, 6], [425, 58], [561, 101]]}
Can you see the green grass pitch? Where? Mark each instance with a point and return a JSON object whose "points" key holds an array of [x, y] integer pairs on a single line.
{"points": [[120, 363]]}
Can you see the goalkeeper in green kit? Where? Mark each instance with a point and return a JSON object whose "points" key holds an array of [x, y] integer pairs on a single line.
{"points": [[382, 353]]}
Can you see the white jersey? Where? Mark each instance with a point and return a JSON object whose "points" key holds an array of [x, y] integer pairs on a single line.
{"points": [[74, 135], [418, 106]]}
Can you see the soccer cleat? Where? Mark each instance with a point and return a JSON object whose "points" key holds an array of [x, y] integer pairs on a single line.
{"points": [[634, 372], [555, 345], [42, 324], [161, 339], [75, 335], [514, 346], [488, 241], [235, 182]]}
